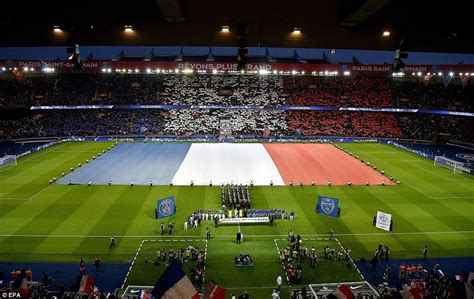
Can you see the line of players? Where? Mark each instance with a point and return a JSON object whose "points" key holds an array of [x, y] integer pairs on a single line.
{"points": [[235, 196]]}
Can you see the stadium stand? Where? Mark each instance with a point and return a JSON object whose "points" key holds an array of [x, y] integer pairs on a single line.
{"points": [[206, 121], [222, 90], [339, 123], [337, 91], [231, 89], [414, 94], [428, 127], [85, 123]]}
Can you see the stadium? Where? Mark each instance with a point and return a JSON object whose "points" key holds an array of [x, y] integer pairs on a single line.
{"points": [[170, 149]]}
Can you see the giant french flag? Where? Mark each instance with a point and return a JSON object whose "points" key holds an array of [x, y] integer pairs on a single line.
{"points": [[174, 284]]}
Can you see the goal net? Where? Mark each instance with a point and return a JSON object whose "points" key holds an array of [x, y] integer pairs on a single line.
{"points": [[8, 160], [455, 166]]}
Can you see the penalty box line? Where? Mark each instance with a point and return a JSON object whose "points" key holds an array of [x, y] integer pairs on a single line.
{"points": [[316, 239], [156, 240], [27, 198], [283, 263], [350, 259]]}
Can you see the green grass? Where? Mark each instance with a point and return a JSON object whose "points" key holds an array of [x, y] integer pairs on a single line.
{"points": [[144, 272], [260, 278], [39, 222]]}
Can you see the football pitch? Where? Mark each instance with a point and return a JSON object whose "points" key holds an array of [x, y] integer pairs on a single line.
{"points": [[40, 222]]}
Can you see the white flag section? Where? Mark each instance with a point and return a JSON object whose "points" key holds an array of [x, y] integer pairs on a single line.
{"points": [[383, 221], [224, 163]]}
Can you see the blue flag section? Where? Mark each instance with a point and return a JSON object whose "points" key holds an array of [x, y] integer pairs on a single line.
{"points": [[166, 207], [327, 206]]}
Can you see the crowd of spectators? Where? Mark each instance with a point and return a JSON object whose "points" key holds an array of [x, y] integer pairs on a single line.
{"points": [[18, 93], [90, 89], [337, 91], [428, 127], [187, 122], [414, 94], [210, 89], [192, 89], [207, 121], [246, 122], [85, 123], [342, 123], [133, 89], [38, 291], [222, 90], [427, 284]]}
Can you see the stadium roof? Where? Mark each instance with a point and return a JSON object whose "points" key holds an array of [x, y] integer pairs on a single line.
{"points": [[344, 24]]}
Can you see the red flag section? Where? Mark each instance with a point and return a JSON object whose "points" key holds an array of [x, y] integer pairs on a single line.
{"points": [[343, 292], [87, 284], [411, 293], [213, 291]]}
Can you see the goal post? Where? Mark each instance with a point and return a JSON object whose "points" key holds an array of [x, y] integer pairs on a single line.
{"points": [[456, 166], [8, 160]]}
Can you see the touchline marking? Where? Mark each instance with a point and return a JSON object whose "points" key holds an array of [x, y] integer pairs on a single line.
{"points": [[435, 174], [31, 197], [351, 260], [283, 264], [133, 262], [45, 152], [176, 240], [21, 172], [77, 151], [34, 195], [205, 259], [140, 248], [438, 197], [233, 236]]}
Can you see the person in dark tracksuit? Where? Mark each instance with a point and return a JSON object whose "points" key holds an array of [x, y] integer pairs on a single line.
{"points": [[112, 242]]}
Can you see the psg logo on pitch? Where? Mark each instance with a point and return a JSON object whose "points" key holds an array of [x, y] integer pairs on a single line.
{"points": [[328, 205], [166, 207]]}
